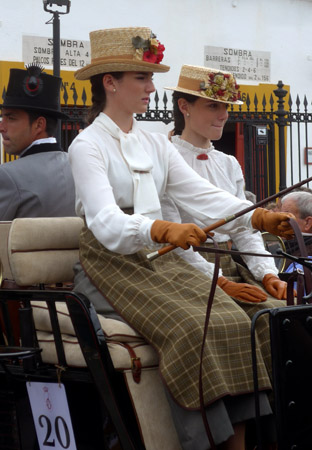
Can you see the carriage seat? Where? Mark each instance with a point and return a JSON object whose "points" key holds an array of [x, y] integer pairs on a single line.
{"points": [[42, 253]]}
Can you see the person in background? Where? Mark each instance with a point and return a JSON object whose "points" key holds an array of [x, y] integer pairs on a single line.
{"points": [[298, 203], [200, 103], [39, 183], [276, 206], [121, 172]]}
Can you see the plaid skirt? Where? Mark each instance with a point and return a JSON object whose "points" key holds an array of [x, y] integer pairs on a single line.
{"points": [[240, 274], [165, 301]]}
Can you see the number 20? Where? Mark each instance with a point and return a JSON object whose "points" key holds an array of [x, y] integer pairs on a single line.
{"points": [[48, 426]]}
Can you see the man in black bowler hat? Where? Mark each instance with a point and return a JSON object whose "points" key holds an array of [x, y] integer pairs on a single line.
{"points": [[39, 183]]}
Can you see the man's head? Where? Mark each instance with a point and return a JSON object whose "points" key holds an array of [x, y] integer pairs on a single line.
{"points": [[30, 108], [19, 128], [300, 205]]}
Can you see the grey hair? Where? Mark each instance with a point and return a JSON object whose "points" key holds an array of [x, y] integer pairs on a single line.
{"points": [[303, 201]]}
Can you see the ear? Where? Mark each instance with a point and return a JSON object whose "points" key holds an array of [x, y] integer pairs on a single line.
{"points": [[308, 225], [109, 82], [40, 126], [183, 106]]}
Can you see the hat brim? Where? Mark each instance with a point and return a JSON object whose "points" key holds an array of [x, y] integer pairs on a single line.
{"points": [[44, 111], [119, 66], [202, 95]]}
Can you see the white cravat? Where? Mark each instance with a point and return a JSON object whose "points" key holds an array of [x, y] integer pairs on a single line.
{"points": [[145, 196]]}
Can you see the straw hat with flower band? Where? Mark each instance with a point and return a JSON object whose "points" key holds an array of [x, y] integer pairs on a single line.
{"points": [[208, 83], [123, 49]]}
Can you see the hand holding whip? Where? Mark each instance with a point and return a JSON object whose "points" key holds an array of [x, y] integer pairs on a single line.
{"points": [[263, 220]]}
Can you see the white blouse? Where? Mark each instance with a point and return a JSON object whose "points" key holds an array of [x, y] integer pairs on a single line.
{"points": [[223, 171], [104, 185]]}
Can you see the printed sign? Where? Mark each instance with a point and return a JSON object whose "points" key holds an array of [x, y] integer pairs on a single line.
{"points": [[74, 54], [261, 135], [308, 155], [245, 64], [51, 416]]}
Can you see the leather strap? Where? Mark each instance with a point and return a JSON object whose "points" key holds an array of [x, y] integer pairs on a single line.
{"points": [[136, 365], [208, 311], [304, 253], [296, 275], [11, 284]]}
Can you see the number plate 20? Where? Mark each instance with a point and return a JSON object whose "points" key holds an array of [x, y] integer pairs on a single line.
{"points": [[51, 416]]}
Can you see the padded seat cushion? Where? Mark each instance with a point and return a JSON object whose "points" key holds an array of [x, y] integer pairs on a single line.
{"points": [[115, 331], [41, 258], [74, 357]]}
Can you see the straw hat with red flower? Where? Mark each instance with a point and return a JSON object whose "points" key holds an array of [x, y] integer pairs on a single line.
{"points": [[123, 49]]}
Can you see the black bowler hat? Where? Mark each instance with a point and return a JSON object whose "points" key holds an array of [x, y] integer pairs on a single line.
{"points": [[34, 90]]}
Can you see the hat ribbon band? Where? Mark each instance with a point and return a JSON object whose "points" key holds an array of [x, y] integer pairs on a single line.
{"points": [[189, 83], [119, 58]]}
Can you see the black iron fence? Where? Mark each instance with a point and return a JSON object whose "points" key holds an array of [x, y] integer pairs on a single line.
{"points": [[270, 136], [299, 156]]}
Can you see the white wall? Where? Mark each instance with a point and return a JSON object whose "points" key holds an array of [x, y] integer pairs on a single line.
{"points": [[282, 27]]}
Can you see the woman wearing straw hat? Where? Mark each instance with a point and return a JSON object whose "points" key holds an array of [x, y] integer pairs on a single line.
{"points": [[200, 102], [121, 172]]}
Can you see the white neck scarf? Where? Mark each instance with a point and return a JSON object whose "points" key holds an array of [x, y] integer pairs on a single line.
{"points": [[145, 196]]}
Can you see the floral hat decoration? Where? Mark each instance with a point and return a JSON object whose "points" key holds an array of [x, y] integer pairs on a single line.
{"points": [[208, 83], [123, 49]]}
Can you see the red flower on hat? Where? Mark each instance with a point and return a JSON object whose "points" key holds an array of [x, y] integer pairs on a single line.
{"points": [[155, 53], [160, 52], [150, 57], [150, 50]]}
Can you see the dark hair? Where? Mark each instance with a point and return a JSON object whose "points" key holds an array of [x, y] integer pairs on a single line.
{"points": [[98, 94], [51, 122], [178, 117]]}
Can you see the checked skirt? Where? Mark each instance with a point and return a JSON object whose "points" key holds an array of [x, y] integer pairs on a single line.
{"points": [[165, 301]]}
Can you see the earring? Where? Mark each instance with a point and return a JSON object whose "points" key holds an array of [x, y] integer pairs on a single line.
{"points": [[114, 90], [187, 114]]}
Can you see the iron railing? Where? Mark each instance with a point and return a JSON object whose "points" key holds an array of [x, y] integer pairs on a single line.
{"points": [[299, 157], [282, 157]]}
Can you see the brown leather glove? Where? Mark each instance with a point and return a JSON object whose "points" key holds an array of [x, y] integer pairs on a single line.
{"points": [[179, 234], [274, 222], [242, 291], [275, 287]]}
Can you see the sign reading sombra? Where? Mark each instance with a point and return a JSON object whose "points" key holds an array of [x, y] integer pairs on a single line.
{"points": [[74, 53], [248, 65]]}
